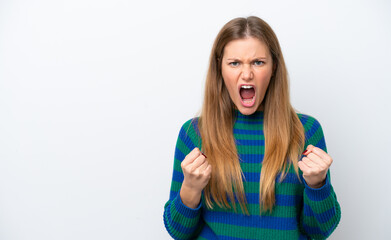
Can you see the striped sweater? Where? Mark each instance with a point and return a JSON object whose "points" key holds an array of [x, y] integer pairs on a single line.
{"points": [[300, 211]]}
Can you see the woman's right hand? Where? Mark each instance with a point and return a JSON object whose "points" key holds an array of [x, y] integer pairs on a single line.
{"points": [[197, 172]]}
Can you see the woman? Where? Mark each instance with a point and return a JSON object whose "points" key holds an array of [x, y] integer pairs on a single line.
{"points": [[239, 170]]}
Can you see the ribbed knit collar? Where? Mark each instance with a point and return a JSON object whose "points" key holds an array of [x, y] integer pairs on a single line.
{"points": [[255, 117]]}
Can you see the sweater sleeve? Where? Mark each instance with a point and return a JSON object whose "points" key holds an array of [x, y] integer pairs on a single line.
{"points": [[321, 212], [181, 221]]}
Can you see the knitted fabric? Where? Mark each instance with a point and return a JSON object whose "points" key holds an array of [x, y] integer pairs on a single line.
{"points": [[300, 212]]}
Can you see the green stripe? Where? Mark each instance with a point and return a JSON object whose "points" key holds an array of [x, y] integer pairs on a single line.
{"points": [[310, 121], [280, 211], [281, 188], [251, 167], [249, 137], [175, 186], [320, 206], [177, 165], [314, 139], [182, 147], [251, 149], [313, 222], [249, 126], [175, 232], [253, 232]]}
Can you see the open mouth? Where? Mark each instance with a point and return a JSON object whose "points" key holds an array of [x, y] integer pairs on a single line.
{"points": [[247, 95]]}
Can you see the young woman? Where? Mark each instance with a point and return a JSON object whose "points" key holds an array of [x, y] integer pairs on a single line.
{"points": [[239, 169]]}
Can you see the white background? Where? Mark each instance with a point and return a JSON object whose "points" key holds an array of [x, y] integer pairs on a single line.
{"points": [[93, 94]]}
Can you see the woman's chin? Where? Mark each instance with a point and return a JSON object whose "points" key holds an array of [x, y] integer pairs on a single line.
{"points": [[247, 110]]}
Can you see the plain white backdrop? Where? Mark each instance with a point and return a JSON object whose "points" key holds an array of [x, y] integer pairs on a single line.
{"points": [[93, 94]]}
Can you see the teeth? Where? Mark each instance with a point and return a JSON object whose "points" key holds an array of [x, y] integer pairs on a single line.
{"points": [[247, 87]]}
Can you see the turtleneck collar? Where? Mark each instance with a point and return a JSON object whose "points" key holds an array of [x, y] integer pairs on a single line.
{"points": [[256, 116]]}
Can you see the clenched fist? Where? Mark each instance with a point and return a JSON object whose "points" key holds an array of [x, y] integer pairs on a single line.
{"points": [[315, 166], [197, 172]]}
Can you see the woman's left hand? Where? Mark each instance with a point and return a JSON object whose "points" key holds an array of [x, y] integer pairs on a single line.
{"points": [[315, 166]]}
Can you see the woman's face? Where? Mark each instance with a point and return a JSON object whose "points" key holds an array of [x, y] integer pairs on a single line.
{"points": [[247, 67]]}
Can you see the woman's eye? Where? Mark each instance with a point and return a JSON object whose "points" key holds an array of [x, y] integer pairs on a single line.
{"points": [[234, 64], [258, 63]]}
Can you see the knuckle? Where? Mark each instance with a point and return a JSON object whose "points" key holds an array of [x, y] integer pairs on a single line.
{"points": [[196, 173], [190, 169], [196, 150]]}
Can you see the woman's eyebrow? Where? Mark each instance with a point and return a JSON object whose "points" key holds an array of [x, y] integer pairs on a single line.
{"points": [[255, 58]]}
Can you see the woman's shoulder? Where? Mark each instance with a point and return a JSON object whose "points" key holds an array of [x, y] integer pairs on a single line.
{"points": [[190, 128], [191, 123], [313, 131], [308, 121]]}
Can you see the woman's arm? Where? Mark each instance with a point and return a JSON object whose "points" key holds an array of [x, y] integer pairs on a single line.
{"points": [[321, 211], [183, 210]]}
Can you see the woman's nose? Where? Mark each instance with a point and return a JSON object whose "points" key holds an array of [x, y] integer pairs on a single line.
{"points": [[247, 73]]}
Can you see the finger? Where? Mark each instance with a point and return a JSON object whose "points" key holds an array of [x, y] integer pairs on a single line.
{"points": [[323, 155], [308, 149], [317, 160], [208, 171], [191, 156], [310, 163], [303, 167], [203, 166], [198, 162]]}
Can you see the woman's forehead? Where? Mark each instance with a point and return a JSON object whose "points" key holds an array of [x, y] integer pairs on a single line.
{"points": [[246, 48]]}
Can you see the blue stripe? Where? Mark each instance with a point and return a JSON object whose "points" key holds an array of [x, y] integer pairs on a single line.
{"points": [[173, 194], [289, 178], [252, 123], [312, 130], [207, 233], [255, 176], [281, 200], [321, 144], [321, 217], [186, 139], [246, 142], [316, 230], [255, 221], [177, 226], [288, 200], [255, 116], [179, 155], [177, 176], [248, 132], [303, 118], [251, 176], [304, 237], [319, 194], [194, 122]]}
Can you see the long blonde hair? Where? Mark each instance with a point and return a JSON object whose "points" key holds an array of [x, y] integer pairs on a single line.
{"points": [[284, 133]]}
